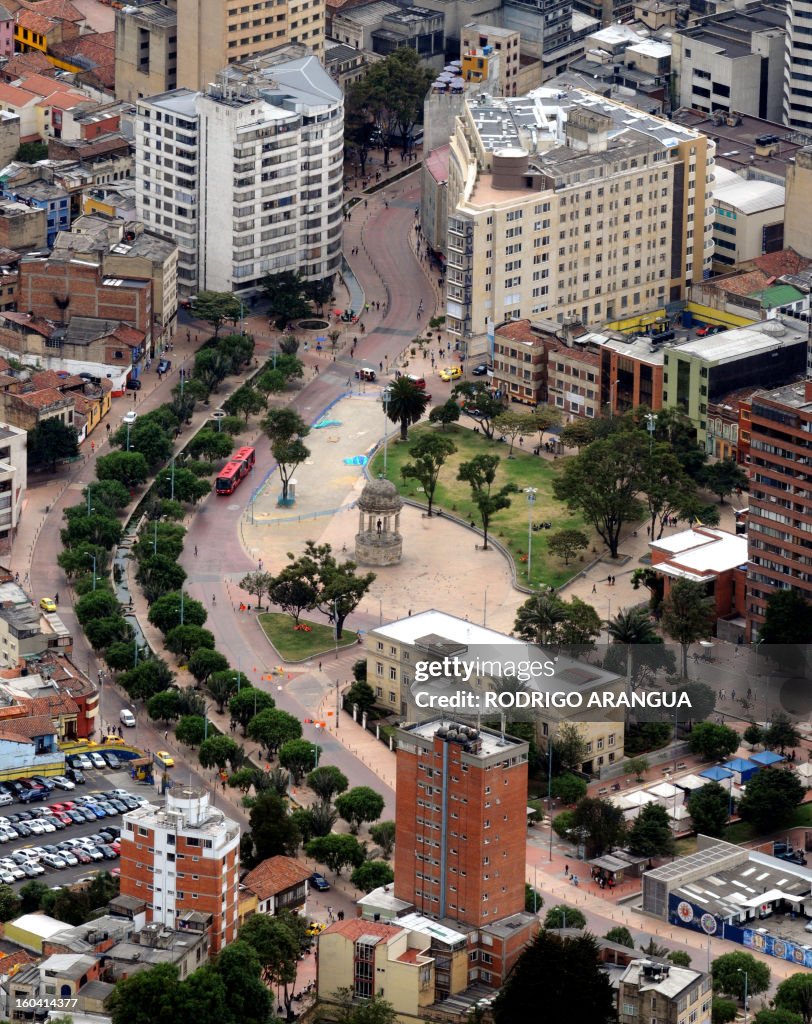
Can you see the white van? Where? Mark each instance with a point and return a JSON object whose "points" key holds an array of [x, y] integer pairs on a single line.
{"points": [[127, 718]]}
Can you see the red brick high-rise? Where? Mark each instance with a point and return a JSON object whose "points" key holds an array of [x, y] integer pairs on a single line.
{"points": [[461, 822]]}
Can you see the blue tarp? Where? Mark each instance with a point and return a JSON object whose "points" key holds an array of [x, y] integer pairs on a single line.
{"points": [[745, 769], [716, 774], [767, 757]]}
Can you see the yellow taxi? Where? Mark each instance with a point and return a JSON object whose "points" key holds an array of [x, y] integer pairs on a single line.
{"points": [[47, 604], [450, 373]]}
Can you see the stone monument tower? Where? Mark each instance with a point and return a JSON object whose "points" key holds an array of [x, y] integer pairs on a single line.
{"points": [[378, 541]]}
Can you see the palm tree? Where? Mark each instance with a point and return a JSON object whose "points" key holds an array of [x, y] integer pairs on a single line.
{"points": [[631, 627], [406, 404], [538, 617]]}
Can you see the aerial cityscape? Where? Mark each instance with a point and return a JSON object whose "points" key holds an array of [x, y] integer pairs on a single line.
{"points": [[405, 512]]}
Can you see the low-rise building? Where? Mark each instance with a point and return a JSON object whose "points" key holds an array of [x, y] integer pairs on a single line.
{"points": [[22, 227], [279, 883], [749, 219], [146, 50], [521, 351], [573, 379], [664, 993], [631, 373], [482, 44], [43, 196], [154, 944]]}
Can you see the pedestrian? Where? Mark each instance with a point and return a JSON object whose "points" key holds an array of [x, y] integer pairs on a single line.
{"points": [[120, 733], [366, 204], [594, 589], [318, 371], [213, 599], [319, 666], [566, 870], [380, 365], [56, 598], [166, 734]]}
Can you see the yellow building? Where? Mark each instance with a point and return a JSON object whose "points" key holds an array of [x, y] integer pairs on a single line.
{"points": [[572, 206], [371, 958]]}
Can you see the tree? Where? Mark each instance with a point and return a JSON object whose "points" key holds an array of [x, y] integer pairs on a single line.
{"points": [[165, 614], [327, 781], [273, 729], [770, 798], [369, 1011], [787, 619], [293, 594], [362, 694], [637, 766], [286, 429], [163, 706], [562, 824], [728, 973], [709, 807], [406, 404], [577, 434], [430, 453], [10, 903], [562, 916], [51, 442], [210, 369], [567, 543], [713, 742], [773, 1017], [247, 703], [723, 1011], [109, 495], [601, 823], [159, 574], [31, 153], [667, 487], [185, 640], [148, 438], [257, 584], [581, 624], [96, 605], [96, 529], [31, 895], [621, 935], [211, 444], [147, 678], [795, 995], [246, 402], [278, 948], [285, 293], [753, 734], [338, 590], [215, 308], [480, 475], [272, 830], [723, 477], [128, 468], [359, 805], [297, 756], [512, 424], [336, 851], [537, 620], [445, 414], [371, 875], [204, 662], [383, 833], [478, 401], [568, 747], [602, 483], [688, 615], [650, 835], [654, 949], [184, 484], [247, 998], [568, 788], [190, 730], [562, 974], [220, 752], [220, 685], [271, 382], [780, 734]]}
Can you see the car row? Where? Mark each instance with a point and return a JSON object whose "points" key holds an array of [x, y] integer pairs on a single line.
{"points": [[33, 860], [99, 759]]}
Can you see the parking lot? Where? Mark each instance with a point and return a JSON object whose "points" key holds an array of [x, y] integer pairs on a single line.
{"points": [[50, 830]]}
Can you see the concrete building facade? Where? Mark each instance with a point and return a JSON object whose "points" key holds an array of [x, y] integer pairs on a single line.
{"points": [[733, 61], [749, 219], [798, 210], [603, 217], [797, 65], [183, 858], [146, 50], [257, 174]]}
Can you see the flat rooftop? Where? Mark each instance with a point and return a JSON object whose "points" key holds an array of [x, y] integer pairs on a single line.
{"points": [[791, 395], [432, 622], [700, 552], [490, 742], [742, 341]]}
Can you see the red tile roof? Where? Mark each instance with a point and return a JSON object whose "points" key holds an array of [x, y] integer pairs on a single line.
{"points": [[43, 398], [59, 10], [356, 927], [94, 53], [35, 22], [275, 875], [22, 64], [14, 96], [36, 324], [128, 335], [517, 330], [29, 726], [785, 261], [743, 284]]}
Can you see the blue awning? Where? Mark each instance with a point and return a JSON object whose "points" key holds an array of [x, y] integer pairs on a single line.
{"points": [[767, 757], [716, 774]]}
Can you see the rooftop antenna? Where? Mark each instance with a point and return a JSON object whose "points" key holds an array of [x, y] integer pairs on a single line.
{"points": [[502, 725]]}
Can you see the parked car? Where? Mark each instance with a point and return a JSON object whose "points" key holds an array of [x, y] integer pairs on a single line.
{"points": [[53, 860], [32, 870], [30, 795], [319, 882], [81, 761], [480, 370], [41, 780], [6, 799], [707, 329], [111, 759], [108, 852], [62, 782], [75, 775], [133, 384], [47, 604], [121, 794], [165, 366], [97, 759]]}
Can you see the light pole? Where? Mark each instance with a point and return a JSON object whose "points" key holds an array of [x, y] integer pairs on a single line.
{"points": [[385, 400], [172, 480], [741, 970], [531, 493], [335, 623], [181, 606], [651, 425], [155, 536], [338, 705], [89, 509], [128, 436], [612, 387], [90, 555]]}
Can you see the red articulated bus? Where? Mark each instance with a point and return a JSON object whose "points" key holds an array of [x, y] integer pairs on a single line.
{"points": [[236, 470]]}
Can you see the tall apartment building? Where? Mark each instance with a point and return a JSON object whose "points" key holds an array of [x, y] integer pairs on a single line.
{"points": [[461, 821], [604, 217], [183, 859], [797, 65], [798, 210], [779, 523], [247, 176], [213, 33], [733, 61]]}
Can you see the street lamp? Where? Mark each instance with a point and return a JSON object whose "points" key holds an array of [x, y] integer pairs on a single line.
{"points": [[531, 493], [171, 479], [338, 705], [385, 399], [89, 509], [128, 434], [155, 536], [91, 555], [335, 623], [651, 425], [741, 970], [612, 387], [181, 606]]}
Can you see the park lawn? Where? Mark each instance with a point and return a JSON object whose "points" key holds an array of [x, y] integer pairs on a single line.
{"points": [[298, 645], [510, 525]]}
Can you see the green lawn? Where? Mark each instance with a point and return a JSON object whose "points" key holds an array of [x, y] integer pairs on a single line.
{"points": [[742, 832], [510, 525], [298, 645]]}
